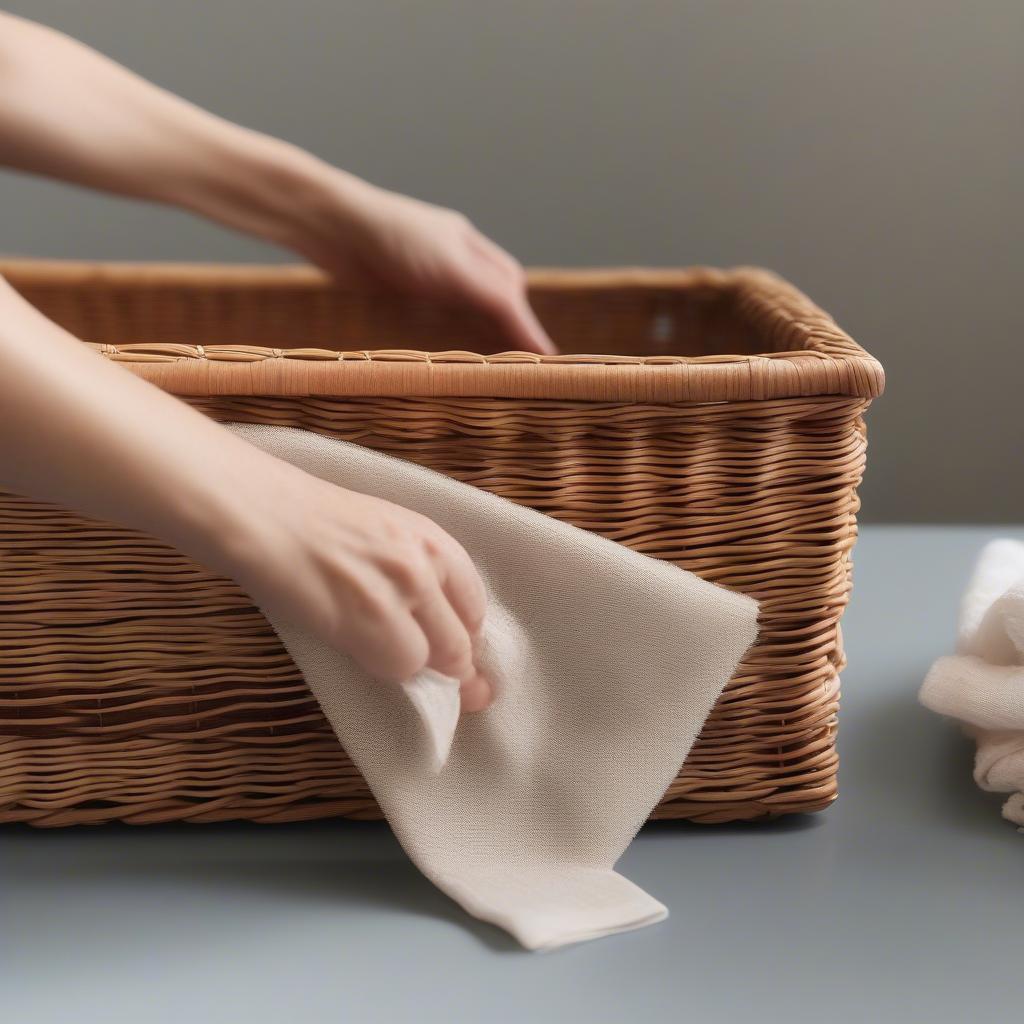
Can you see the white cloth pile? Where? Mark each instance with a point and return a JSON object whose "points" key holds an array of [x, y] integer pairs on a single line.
{"points": [[606, 664], [982, 685]]}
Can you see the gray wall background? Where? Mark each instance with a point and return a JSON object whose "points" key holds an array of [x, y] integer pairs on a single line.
{"points": [[870, 151]]}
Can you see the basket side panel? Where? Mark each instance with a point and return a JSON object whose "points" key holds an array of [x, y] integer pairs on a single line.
{"points": [[135, 685]]}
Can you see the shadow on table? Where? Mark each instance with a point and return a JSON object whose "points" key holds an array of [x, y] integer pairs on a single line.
{"points": [[295, 866], [896, 759], [900, 757], [763, 826]]}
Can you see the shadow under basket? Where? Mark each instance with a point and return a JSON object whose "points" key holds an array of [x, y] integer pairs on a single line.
{"points": [[711, 418]]}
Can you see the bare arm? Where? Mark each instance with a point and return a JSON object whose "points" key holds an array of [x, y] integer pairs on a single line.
{"points": [[368, 577], [70, 113]]}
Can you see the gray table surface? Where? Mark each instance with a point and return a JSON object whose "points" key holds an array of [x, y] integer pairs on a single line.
{"points": [[902, 902]]}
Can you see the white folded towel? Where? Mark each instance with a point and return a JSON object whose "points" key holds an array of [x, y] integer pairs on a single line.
{"points": [[982, 685], [606, 664]]}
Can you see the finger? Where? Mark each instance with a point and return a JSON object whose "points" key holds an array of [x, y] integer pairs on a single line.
{"points": [[451, 650], [390, 648], [505, 262], [476, 694], [520, 325], [504, 295], [465, 590], [461, 583]]}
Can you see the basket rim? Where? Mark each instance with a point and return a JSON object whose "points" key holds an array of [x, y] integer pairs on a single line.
{"points": [[818, 358]]}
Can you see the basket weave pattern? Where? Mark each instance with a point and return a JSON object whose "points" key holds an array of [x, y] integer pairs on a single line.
{"points": [[135, 685]]}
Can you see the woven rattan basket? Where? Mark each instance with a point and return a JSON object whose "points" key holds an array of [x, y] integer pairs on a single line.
{"points": [[718, 426]]}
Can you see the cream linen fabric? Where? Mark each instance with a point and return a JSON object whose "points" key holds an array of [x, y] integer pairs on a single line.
{"points": [[606, 664], [982, 685]]}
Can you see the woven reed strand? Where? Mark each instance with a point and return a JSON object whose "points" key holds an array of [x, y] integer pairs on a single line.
{"points": [[135, 685]]}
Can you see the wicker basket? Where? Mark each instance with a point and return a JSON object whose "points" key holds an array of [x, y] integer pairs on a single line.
{"points": [[719, 427]]}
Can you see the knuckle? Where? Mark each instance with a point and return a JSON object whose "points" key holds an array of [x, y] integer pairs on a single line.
{"points": [[408, 569], [438, 545], [425, 527], [515, 269], [452, 656], [434, 545], [476, 615], [402, 660], [373, 605], [459, 220]]}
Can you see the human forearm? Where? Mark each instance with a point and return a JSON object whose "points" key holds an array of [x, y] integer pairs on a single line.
{"points": [[79, 431], [366, 576], [70, 113]]}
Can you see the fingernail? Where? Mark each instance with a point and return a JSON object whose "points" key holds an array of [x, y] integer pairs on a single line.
{"points": [[476, 694]]}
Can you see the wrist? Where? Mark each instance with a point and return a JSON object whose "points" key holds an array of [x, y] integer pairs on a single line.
{"points": [[279, 192], [212, 512]]}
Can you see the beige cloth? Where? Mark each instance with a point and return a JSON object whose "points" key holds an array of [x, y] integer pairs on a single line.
{"points": [[982, 685], [606, 664]]}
